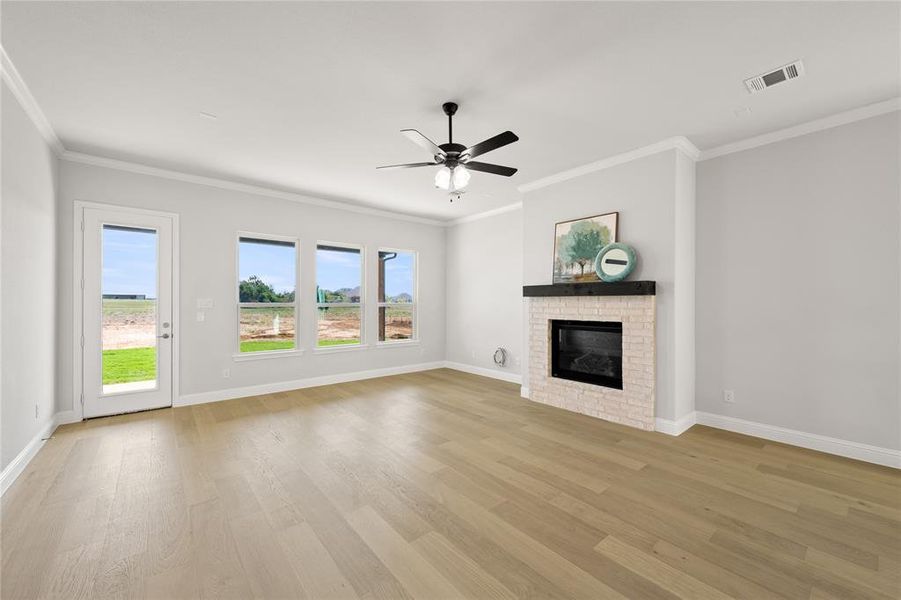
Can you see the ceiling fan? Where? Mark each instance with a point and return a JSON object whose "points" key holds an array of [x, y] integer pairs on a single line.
{"points": [[456, 159]]}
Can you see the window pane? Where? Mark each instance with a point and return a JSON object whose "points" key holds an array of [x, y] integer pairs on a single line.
{"points": [[396, 271], [266, 328], [338, 274], [266, 270], [129, 309], [395, 323], [339, 325]]}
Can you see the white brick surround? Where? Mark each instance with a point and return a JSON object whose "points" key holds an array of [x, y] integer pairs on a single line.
{"points": [[634, 404]]}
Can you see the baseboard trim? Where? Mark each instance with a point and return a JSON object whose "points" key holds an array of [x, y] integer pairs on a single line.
{"points": [[17, 466], [677, 427], [296, 384], [872, 454], [494, 374]]}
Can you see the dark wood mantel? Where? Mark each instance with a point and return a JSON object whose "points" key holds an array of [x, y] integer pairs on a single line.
{"points": [[620, 288]]}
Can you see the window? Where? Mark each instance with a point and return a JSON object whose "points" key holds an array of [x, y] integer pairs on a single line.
{"points": [[129, 304], [397, 285], [339, 294], [267, 281]]}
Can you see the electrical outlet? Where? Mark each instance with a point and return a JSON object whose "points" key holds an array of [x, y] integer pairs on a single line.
{"points": [[201, 316], [729, 396], [226, 373]]}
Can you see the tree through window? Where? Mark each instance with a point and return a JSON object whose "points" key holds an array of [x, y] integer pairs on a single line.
{"points": [[267, 284]]}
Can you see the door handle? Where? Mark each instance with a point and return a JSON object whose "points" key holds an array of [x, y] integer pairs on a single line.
{"points": [[165, 336]]}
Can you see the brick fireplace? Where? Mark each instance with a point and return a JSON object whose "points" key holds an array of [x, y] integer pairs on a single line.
{"points": [[631, 304]]}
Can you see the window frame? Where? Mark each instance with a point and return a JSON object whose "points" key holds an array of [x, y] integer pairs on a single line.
{"points": [[361, 305], [413, 306], [238, 355]]}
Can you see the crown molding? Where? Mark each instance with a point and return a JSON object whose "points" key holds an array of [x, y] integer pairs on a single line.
{"points": [[484, 215], [680, 143], [836, 120], [226, 184], [13, 79]]}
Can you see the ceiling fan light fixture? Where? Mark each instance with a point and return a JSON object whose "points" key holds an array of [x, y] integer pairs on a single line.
{"points": [[443, 178], [461, 177]]}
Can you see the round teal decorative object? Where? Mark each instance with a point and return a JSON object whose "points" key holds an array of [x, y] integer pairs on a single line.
{"points": [[614, 262]]}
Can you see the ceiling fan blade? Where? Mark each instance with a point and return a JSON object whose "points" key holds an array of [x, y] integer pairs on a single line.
{"points": [[408, 165], [421, 140], [501, 139], [489, 168]]}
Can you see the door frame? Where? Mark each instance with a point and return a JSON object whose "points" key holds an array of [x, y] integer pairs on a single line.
{"points": [[78, 298]]}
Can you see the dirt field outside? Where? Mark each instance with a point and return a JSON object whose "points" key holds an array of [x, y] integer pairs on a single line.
{"points": [[129, 324]]}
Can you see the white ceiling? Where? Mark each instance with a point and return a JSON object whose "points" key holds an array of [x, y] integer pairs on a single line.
{"points": [[310, 96]]}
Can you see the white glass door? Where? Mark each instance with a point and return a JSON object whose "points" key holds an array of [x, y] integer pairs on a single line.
{"points": [[127, 319]]}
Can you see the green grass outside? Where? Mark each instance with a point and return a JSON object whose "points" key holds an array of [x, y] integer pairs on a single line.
{"points": [[269, 345], [266, 345], [322, 343], [129, 364]]}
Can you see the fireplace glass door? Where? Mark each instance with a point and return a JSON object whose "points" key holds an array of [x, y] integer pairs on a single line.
{"points": [[588, 351]]}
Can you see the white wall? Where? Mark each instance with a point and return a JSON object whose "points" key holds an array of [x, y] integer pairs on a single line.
{"points": [[648, 193], [209, 220], [484, 292], [798, 283], [684, 272], [28, 285]]}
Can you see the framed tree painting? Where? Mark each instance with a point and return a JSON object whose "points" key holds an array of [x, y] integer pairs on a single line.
{"points": [[577, 243]]}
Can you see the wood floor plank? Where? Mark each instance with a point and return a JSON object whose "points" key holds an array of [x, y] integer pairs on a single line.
{"points": [[219, 572], [414, 572], [567, 576], [465, 574], [437, 484], [71, 574], [354, 558], [318, 574], [667, 577], [729, 582], [268, 570]]}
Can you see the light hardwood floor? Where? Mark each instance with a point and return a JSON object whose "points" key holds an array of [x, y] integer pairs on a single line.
{"points": [[437, 485]]}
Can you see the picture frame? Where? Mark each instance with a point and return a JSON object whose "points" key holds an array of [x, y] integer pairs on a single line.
{"points": [[577, 243]]}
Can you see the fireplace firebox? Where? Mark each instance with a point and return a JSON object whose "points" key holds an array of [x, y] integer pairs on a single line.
{"points": [[588, 351]]}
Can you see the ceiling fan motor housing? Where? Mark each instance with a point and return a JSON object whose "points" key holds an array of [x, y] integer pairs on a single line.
{"points": [[452, 152]]}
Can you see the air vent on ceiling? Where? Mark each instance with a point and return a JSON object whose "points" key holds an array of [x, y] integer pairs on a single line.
{"points": [[785, 73]]}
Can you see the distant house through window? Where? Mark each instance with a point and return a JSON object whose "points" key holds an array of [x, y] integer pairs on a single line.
{"points": [[267, 284], [396, 289], [339, 294]]}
